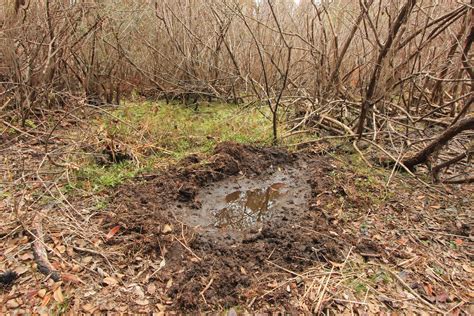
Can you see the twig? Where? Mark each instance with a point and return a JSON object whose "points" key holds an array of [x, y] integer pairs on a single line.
{"points": [[414, 293], [187, 248], [205, 289]]}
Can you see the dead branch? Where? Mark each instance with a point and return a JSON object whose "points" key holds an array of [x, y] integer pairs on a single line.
{"points": [[423, 155]]}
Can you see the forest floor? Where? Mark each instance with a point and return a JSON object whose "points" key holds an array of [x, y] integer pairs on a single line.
{"points": [[160, 209]]}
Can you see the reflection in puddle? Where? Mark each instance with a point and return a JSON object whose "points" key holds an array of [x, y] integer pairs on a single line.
{"points": [[246, 208]]}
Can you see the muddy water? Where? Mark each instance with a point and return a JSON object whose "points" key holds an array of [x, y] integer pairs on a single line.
{"points": [[241, 203], [247, 208]]}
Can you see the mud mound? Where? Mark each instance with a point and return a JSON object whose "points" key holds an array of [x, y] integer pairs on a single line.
{"points": [[224, 262]]}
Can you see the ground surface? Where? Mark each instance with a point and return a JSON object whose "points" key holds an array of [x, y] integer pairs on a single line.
{"points": [[321, 232]]}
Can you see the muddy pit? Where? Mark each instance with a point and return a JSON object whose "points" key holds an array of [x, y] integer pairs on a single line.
{"points": [[240, 203], [235, 216]]}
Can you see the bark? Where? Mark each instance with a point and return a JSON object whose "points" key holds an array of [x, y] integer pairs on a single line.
{"points": [[39, 251], [367, 103], [423, 155]]}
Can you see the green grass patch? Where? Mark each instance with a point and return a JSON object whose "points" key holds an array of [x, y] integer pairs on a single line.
{"points": [[177, 130], [156, 134], [95, 177]]}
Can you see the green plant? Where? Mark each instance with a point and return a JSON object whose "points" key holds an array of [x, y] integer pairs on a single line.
{"points": [[360, 288], [96, 178]]}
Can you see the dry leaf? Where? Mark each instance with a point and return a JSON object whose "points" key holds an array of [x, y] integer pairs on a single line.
{"points": [[27, 256], [58, 295], [428, 289], [467, 268], [142, 302], [110, 281], [71, 278], [87, 260], [61, 249], [442, 297], [88, 308], [9, 250], [151, 289], [21, 270], [11, 304], [162, 264], [112, 232], [41, 293], [46, 300], [161, 307], [167, 229]]}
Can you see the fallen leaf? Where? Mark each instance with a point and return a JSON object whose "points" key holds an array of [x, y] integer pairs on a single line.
{"points": [[162, 264], [11, 304], [161, 307], [46, 300], [9, 250], [41, 293], [112, 232], [21, 270], [138, 291], [71, 278], [27, 256], [58, 295], [428, 289], [110, 281], [167, 229], [87, 260], [232, 311], [88, 308], [151, 289], [467, 268], [61, 249], [442, 297], [142, 302]]}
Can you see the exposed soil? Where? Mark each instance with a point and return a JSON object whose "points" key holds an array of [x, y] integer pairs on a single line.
{"points": [[294, 234], [255, 230]]}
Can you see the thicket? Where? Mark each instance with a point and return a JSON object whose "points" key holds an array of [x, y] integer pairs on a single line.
{"points": [[397, 74]]}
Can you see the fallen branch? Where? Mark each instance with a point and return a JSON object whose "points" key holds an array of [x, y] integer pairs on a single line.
{"points": [[436, 169], [423, 155], [39, 251], [416, 294], [460, 181]]}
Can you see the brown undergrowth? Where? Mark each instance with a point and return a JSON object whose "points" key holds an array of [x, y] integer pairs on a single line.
{"points": [[354, 246]]}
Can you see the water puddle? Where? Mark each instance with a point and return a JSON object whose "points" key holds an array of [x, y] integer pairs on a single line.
{"points": [[239, 204], [246, 208]]}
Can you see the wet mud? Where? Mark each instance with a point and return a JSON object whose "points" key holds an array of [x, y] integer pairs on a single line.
{"points": [[225, 221]]}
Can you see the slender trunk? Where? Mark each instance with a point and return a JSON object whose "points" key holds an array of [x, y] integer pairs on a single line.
{"points": [[367, 103]]}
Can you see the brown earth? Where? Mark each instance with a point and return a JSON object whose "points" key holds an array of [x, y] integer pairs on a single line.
{"points": [[336, 239], [295, 237]]}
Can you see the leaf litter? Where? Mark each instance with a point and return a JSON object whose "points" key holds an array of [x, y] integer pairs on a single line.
{"points": [[340, 242]]}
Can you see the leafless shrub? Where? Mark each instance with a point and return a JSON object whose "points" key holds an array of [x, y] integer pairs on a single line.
{"points": [[392, 71]]}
